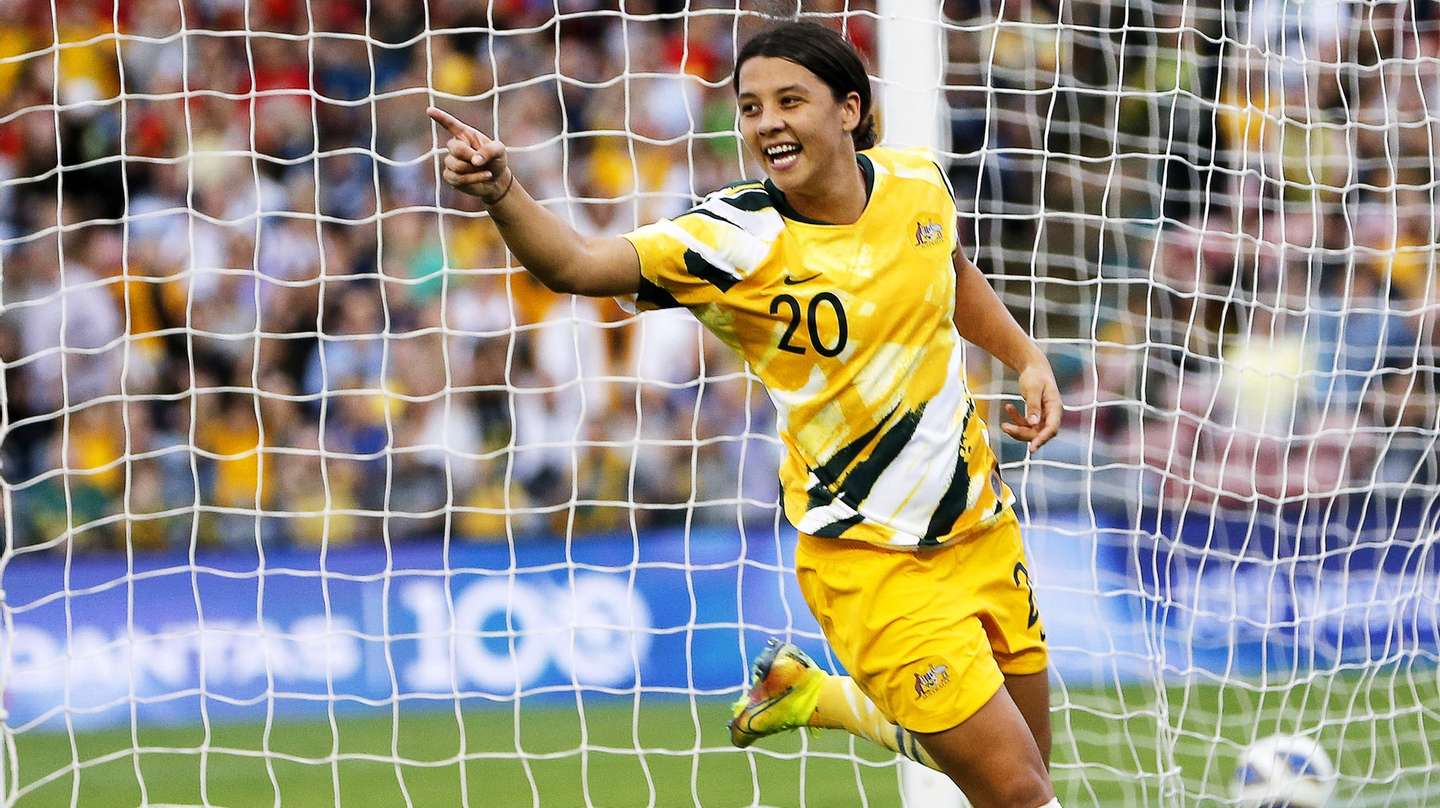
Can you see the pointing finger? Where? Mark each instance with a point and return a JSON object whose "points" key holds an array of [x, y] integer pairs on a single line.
{"points": [[456, 127]]}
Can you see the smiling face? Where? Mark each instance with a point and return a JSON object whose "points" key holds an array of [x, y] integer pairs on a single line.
{"points": [[793, 125]]}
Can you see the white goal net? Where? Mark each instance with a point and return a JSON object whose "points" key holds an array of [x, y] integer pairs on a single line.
{"points": [[311, 496]]}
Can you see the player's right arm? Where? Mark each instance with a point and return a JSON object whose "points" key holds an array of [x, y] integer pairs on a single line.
{"points": [[545, 244]]}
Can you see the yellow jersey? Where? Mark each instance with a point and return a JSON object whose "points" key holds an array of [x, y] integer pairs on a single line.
{"points": [[850, 329]]}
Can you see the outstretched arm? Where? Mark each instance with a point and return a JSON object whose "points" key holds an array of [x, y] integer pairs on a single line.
{"points": [[982, 319], [546, 245]]}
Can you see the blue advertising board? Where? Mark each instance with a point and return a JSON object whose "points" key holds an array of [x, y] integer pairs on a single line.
{"points": [[1312, 587], [487, 623], [102, 641]]}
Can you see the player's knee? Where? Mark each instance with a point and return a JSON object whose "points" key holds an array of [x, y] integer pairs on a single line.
{"points": [[1033, 791], [1027, 790]]}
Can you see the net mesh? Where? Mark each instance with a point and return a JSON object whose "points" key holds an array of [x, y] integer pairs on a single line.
{"points": [[1222, 223], [311, 495]]}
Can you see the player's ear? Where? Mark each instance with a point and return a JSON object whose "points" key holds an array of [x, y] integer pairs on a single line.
{"points": [[850, 111]]}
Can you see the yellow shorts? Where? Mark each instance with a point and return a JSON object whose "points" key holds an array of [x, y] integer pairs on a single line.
{"points": [[928, 635]]}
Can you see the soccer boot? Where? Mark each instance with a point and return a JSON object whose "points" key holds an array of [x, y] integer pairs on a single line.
{"points": [[784, 690]]}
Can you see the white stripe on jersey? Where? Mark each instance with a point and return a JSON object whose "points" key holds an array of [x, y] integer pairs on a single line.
{"points": [[909, 489], [836, 511], [741, 249], [705, 251], [763, 225]]}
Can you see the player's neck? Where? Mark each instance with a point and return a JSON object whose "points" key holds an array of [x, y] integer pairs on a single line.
{"points": [[837, 198]]}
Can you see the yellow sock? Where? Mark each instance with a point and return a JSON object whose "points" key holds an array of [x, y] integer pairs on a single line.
{"points": [[842, 705]]}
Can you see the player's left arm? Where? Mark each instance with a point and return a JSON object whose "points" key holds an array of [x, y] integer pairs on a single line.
{"points": [[983, 320]]}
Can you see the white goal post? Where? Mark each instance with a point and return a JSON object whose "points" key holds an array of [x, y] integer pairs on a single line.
{"points": [[311, 496]]}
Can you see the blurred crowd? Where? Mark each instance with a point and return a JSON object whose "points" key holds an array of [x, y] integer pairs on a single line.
{"points": [[1236, 253], [235, 308], [283, 337]]}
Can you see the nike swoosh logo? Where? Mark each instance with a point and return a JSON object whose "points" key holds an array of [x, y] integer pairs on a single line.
{"points": [[789, 281]]}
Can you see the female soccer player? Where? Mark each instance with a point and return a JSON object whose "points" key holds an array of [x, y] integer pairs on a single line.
{"points": [[839, 280]]}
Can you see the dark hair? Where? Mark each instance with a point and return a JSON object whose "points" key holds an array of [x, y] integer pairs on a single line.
{"points": [[828, 55]]}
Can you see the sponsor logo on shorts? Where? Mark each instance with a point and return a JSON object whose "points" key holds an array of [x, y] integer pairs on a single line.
{"points": [[931, 680]]}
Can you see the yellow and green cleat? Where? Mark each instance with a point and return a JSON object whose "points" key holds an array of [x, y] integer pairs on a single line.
{"points": [[784, 689]]}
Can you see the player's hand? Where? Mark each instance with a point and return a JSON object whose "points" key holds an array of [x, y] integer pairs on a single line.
{"points": [[475, 164], [1041, 420]]}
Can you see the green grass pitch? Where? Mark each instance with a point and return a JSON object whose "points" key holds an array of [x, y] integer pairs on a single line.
{"points": [[1383, 730]]}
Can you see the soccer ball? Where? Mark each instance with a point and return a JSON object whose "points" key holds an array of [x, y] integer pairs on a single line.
{"points": [[1284, 771]]}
